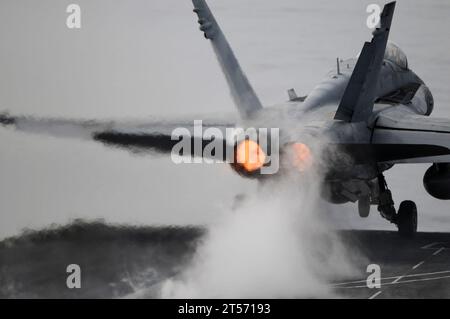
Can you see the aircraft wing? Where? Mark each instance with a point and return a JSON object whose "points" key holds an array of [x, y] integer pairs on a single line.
{"points": [[408, 138], [157, 136]]}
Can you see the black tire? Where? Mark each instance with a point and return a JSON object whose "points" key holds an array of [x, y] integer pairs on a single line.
{"points": [[364, 207], [407, 219]]}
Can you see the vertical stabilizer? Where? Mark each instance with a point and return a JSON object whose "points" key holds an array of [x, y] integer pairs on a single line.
{"points": [[359, 96], [242, 92]]}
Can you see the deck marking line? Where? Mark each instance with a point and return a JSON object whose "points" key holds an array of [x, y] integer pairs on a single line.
{"points": [[418, 265], [431, 245], [398, 279], [393, 277], [399, 283], [375, 295]]}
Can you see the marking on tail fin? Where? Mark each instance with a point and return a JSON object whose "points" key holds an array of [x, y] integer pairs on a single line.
{"points": [[359, 96], [242, 92]]}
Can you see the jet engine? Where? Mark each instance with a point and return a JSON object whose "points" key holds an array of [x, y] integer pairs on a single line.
{"points": [[437, 181], [250, 158]]}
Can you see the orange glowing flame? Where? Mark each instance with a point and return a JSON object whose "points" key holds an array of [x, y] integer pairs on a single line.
{"points": [[250, 155], [302, 156]]}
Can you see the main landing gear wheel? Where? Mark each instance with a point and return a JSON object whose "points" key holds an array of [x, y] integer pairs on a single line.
{"points": [[407, 219], [364, 206]]}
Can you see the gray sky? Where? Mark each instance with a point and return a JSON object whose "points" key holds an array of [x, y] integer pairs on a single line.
{"points": [[141, 58]]}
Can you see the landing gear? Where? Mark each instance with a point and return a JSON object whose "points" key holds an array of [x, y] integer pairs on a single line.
{"points": [[405, 219], [364, 206], [385, 201]]}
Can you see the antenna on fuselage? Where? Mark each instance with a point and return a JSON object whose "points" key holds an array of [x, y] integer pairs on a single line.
{"points": [[338, 67]]}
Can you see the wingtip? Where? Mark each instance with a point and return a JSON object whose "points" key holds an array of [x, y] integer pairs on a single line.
{"points": [[198, 3], [386, 17], [389, 7]]}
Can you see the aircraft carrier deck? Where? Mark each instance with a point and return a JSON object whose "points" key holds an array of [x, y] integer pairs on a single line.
{"points": [[33, 265], [410, 268]]}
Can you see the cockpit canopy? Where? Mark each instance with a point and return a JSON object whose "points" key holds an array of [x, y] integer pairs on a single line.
{"points": [[396, 55]]}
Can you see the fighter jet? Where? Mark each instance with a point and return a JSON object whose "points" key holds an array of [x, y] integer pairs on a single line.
{"points": [[372, 112]]}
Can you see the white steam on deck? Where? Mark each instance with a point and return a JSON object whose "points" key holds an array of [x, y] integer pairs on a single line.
{"points": [[273, 245]]}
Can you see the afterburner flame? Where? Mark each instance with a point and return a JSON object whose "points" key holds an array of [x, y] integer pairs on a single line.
{"points": [[302, 157], [250, 155]]}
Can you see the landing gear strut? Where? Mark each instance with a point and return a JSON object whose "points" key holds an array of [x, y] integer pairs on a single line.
{"points": [[405, 219], [385, 201]]}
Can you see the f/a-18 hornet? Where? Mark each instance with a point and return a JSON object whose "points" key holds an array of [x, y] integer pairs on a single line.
{"points": [[372, 112]]}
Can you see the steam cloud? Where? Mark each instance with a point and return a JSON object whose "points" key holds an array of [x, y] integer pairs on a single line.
{"points": [[276, 244]]}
